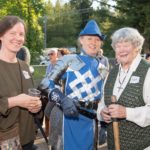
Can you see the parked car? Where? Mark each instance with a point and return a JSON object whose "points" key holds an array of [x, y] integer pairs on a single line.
{"points": [[44, 60]]}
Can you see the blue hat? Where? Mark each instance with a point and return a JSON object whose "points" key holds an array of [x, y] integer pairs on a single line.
{"points": [[92, 28]]}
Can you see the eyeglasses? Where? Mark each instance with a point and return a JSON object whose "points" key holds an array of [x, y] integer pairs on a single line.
{"points": [[50, 54]]}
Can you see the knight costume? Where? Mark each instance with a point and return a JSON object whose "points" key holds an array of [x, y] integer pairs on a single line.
{"points": [[84, 76]]}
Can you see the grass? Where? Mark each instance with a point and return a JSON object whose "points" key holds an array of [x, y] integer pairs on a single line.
{"points": [[39, 73]]}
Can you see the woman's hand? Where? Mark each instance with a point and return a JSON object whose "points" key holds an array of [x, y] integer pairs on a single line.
{"points": [[33, 104], [105, 115], [117, 111], [34, 108]]}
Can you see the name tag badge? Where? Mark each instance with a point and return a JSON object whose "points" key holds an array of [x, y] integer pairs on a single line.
{"points": [[26, 74], [135, 79]]}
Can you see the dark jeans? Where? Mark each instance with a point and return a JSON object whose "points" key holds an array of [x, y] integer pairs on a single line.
{"points": [[102, 133], [29, 146]]}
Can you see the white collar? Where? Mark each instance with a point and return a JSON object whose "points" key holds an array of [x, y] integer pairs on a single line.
{"points": [[133, 67]]}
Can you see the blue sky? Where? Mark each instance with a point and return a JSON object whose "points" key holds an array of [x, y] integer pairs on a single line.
{"points": [[62, 1], [95, 4]]}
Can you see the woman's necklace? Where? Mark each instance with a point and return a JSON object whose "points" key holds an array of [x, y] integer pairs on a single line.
{"points": [[123, 80]]}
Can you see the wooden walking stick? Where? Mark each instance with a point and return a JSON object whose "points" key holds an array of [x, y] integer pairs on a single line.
{"points": [[115, 128]]}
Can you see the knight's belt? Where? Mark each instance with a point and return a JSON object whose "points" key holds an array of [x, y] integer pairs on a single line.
{"points": [[91, 115], [89, 104]]}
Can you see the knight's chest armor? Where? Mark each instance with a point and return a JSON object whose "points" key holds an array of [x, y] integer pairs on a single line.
{"points": [[86, 83]]}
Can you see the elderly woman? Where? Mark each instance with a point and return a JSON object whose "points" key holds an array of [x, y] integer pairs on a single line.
{"points": [[130, 83]]}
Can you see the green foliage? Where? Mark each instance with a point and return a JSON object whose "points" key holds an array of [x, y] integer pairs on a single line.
{"points": [[59, 25], [29, 11], [84, 8], [62, 25], [39, 73], [135, 13]]}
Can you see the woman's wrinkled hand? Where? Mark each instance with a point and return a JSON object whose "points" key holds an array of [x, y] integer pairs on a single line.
{"points": [[105, 115], [117, 111]]}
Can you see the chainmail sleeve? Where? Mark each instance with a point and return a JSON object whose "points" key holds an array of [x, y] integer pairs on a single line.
{"points": [[54, 77], [62, 64]]}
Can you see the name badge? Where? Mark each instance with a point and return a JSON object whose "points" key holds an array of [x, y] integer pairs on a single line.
{"points": [[26, 74], [135, 79]]}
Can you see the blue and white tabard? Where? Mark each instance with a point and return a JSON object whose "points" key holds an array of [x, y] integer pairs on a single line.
{"points": [[83, 85]]}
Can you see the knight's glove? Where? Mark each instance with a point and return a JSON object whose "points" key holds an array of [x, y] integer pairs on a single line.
{"points": [[45, 87], [68, 105]]}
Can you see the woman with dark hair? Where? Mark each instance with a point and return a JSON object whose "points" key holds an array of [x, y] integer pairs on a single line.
{"points": [[148, 57], [62, 52], [17, 127], [24, 54]]}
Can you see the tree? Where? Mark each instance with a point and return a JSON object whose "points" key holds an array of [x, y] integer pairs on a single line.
{"points": [[104, 16], [84, 8], [29, 11], [135, 13], [62, 24]]}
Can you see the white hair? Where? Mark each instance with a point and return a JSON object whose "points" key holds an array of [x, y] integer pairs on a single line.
{"points": [[49, 50], [128, 34]]}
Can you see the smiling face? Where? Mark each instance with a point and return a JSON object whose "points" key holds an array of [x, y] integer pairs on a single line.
{"points": [[125, 53], [90, 44], [127, 43], [52, 57], [13, 39]]}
